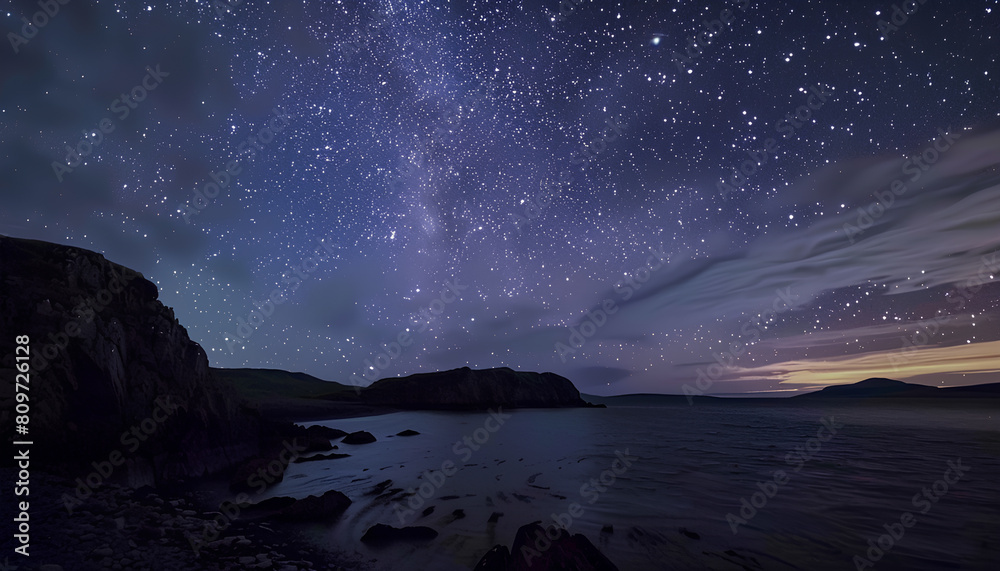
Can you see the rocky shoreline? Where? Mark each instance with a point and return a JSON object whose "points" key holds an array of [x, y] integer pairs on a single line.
{"points": [[129, 424], [121, 528]]}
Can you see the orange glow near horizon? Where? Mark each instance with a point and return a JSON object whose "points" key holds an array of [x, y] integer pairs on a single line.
{"points": [[975, 358]]}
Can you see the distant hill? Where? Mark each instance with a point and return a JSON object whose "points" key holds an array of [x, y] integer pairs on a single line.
{"points": [[283, 395], [465, 389], [868, 388], [888, 388], [256, 384]]}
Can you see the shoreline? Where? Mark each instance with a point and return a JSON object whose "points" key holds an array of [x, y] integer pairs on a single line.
{"points": [[121, 528]]}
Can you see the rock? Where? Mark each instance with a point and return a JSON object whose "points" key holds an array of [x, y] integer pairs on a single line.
{"points": [[317, 438], [148, 532], [379, 488], [494, 517], [325, 507], [269, 506], [117, 357], [608, 529], [407, 432], [689, 534], [326, 432], [564, 552], [381, 533], [458, 514], [496, 559], [317, 444], [427, 511], [333, 456], [293, 440], [359, 437]]}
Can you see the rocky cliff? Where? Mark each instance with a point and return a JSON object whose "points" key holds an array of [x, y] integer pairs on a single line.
{"points": [[112, 370], [465, 388]]}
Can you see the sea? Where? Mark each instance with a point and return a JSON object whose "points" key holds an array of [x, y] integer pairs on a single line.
{"points": [[727, 485]]}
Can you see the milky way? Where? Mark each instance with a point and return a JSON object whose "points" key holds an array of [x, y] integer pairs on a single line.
{"points": [[637, 195]]}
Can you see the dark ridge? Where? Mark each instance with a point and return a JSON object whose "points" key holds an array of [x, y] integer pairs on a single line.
{"points": [[468, 389], [106, 357]]}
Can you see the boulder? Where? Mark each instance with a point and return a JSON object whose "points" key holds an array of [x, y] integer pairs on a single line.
{"points": [[270, 506], [326, 432], [534, 551], [326, 507], [359, 437], [381, 533], [317, 508], [496, 559]]}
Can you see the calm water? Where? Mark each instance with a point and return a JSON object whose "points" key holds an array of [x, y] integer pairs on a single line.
{"points": [[690, 467]]}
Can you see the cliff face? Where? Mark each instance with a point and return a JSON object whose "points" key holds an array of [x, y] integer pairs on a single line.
{"points": [[111, 369], [468, 389]]}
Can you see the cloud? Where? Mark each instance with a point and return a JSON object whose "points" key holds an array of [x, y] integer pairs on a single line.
{"points": [[940, 235], [952, 362]]}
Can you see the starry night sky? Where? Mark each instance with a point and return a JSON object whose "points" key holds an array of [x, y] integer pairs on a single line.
{"points": [[543, 165]]}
